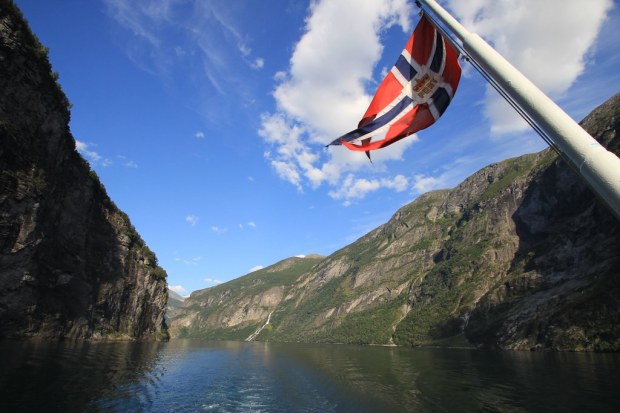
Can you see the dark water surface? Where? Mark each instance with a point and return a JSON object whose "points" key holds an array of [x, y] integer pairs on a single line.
{"points": [[207, 376]]}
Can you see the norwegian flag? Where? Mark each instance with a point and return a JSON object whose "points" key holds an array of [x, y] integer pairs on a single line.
{"points": [[413, 95]]}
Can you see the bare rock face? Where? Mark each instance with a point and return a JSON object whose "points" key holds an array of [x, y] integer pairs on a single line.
{"points": [[563, 286], [71, 263]]}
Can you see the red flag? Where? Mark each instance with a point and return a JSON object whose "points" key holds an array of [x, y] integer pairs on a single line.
{"points": [[413, 95]]}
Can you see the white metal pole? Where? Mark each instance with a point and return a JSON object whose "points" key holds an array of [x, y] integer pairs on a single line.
{"points": [[598, 166]]}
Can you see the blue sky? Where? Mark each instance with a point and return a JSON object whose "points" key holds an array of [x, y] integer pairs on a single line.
{"points": [[206, 120]]}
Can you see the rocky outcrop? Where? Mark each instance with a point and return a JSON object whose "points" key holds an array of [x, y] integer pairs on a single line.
{"points": [[71, 263], [521, 255]]}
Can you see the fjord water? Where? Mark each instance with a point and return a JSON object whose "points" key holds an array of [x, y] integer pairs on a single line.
{"points": [[197, 376]]}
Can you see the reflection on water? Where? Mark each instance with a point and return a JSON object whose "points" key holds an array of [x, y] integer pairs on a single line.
{"points": [[189, 376], [66, 376]]}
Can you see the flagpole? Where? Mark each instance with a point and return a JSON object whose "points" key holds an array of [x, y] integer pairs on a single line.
{"points": [[599, 167]]}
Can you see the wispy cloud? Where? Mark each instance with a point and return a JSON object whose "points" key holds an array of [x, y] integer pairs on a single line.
{"points": [[192, 219], [250, 224], [212, 281], [96, 159], [199, 38], [179, 289], [128, 163], [199, 135], [256, 268], [258, 64], [219, 230], [192, 261], [92, 156]]}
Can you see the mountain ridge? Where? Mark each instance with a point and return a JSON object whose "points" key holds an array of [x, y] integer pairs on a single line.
{"points": [[520, 255]]}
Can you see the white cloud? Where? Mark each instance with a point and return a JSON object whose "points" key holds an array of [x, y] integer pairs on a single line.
{"points": [[219, 230], [256, 268], [552, 52], [92, 156], [288, 172], [280, 76], [192, 261], [319, 92], [244, 49], [179, 289], [258, 64], [399, 183], [199, 135], [422, 183], [317, 100], [192, 219], [300, 256], [213, 281], [250, 224], [97, 159], [128, 163], [357, 188]]}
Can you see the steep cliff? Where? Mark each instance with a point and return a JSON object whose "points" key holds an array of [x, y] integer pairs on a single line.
{"points": [[71, 263], [521, 255], [562, 289]]}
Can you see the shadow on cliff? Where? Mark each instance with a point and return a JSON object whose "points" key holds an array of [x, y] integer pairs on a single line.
{"points": [[75, 266], [71, 263], [562, 291]]}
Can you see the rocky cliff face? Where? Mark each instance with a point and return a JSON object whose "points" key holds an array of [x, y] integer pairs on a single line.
{"points": [[521, 255], [71, 263], [562, 289]]}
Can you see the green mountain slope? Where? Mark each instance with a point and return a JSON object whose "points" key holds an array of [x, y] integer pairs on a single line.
{"points": [[520, 255], [237, 308]]}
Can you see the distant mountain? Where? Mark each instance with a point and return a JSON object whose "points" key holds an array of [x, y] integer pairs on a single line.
{"points": [[175, 301], [521, 255], [235, 309], [71, 263], [174, 296]]}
